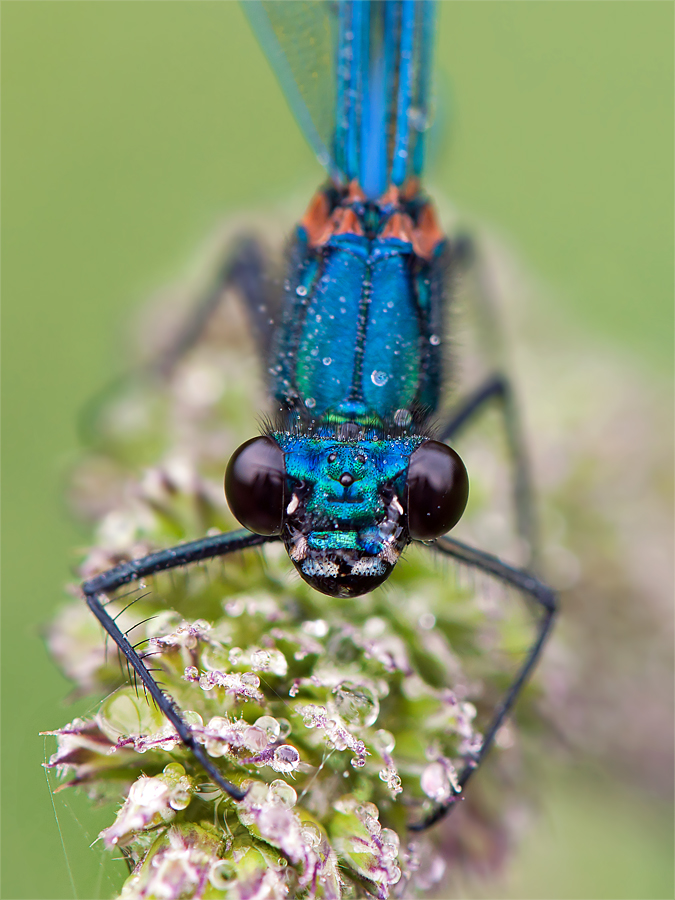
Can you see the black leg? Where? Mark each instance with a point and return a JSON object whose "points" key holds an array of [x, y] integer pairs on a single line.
{"points": [[546, 598], [497, 388], [245, 272], [181, 555]]}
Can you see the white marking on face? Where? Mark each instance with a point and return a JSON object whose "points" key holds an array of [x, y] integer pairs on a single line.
{"points": [[369, 565], [299, 549], [390, 553], [293, 505], [397, 506], [324, 568]]}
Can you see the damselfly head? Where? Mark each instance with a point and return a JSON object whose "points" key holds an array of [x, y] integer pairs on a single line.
{"points": [[346, 509]]}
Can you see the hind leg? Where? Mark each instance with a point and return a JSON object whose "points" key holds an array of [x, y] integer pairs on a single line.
{"points": [[245, 272], [546, 601], [497, 390]]}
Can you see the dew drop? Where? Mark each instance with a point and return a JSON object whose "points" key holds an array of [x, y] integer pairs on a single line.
{"points": [[427, 621], [192, 717], [394, 875], [256, 792], [310, 403], [434, 340], [260, 660], [384, 741], [391, 779], [218, 724], [284, 729], [316, 627], [282, 794], [356, 703], [221, 874], [326, 360], [390, 843], [270, 726], [311, 835], [236, 656], [286, 759], [235, 608], [180, 799], [301, 290], [379, 378], [255, 738], [435, 782]]}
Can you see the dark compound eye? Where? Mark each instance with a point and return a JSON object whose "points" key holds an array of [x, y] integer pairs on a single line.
{"points": [[437, 490], [254, 485]]}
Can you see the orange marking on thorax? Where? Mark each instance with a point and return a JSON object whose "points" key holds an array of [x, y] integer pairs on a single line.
{"points": [[355, 194], [410, 189], [390, 196], [345, 221], [427, 234], [320, 224], [317, 221], [399, 226]]}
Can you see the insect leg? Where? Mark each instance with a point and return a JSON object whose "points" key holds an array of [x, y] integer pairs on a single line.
{"points": [[98, 587], [497, 389], [546, 599], [245, 272]]}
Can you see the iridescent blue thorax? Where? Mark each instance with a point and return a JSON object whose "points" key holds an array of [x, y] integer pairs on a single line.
{"points": [[356, 369], [361, 331]]}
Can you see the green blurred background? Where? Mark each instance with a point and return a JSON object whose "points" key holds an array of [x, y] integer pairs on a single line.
{"points": [[129, 130]]}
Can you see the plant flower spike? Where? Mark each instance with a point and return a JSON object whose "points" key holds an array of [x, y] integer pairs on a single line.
{"points": [[291, 721]]}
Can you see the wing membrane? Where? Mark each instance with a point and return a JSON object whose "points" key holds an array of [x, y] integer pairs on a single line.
{"points": [[356, 76]]}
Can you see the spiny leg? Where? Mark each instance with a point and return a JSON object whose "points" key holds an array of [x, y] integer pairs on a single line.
{"points": [[469, 259], [497, 389], [183, 554], [546, 599], [244, 271]]}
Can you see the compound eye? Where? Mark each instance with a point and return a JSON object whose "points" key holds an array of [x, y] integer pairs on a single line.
{"points": [[437, 490], [254, 485]]}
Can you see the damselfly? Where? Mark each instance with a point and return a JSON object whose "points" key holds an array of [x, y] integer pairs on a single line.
{"points": [[354, 464]]}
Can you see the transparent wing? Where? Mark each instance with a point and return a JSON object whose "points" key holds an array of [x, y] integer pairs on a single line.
{"points": [[356, 75], [300, 40]]}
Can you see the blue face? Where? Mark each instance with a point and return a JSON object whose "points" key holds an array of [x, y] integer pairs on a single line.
{"points": [[344, 523]]}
